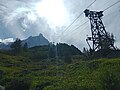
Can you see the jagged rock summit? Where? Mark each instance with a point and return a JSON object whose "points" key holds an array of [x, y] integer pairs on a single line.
{"points": [[36, 40]]}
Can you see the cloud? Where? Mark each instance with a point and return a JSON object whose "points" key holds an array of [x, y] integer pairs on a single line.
{"points": [[21, 20], [18, 19], [6, 41], [110, 19]]}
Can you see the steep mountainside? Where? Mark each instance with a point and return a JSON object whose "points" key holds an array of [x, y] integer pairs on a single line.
{"points": [[31, 41], [36, 41]]}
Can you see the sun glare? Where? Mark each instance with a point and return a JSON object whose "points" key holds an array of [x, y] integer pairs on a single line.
{"points": [[53, 10]]}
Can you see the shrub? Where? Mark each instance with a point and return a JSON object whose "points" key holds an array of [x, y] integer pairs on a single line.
{"points": [[109, 80], [18, 84]]}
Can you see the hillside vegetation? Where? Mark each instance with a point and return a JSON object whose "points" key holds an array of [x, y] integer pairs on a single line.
{"points": [[23, 73], [57, 67]]}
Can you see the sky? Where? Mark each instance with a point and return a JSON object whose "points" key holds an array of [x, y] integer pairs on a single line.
{"points": [[24, 18]]}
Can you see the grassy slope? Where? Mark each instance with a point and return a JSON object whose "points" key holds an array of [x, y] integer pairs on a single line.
{"points": [[80, 75]]}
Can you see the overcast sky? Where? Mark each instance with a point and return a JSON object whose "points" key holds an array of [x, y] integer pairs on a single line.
{"points": [[24, 18]]}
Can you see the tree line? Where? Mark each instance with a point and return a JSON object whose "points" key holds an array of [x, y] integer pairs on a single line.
{"points": [[17, 47], [60, 50]]}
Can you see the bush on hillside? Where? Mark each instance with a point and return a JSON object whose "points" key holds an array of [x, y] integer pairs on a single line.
{"points": [[18, 84]]}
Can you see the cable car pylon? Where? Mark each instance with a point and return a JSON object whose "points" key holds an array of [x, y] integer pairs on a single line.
{"points": [[100, 38]]}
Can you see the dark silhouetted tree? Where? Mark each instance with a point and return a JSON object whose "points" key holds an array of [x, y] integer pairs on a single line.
{"points": [[16, 46], [51, 51], [25, 47]]}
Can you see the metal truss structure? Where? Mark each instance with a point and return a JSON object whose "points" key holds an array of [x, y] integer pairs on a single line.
{"points": [[100, 37]]}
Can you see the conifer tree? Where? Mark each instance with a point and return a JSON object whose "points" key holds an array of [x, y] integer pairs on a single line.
{"points": [[16, 46]]}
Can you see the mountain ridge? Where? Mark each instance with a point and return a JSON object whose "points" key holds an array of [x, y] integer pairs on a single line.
{"points": [[32, 41], [39, 40]]}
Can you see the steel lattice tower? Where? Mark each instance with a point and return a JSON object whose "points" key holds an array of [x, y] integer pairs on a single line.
{"points": [[100, 38]]}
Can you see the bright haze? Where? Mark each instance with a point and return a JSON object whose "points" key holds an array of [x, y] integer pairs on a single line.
{"points": [[24, 18]]}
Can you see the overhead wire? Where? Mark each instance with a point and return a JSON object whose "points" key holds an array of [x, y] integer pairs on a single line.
{"points": [[103, 10], [107, 9], [79, 34], [72, 32], [104, 16], [78, 17], [111, 5], [72, 23], [87, 20], [82, 24], [91, 4], [111, 13]]}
